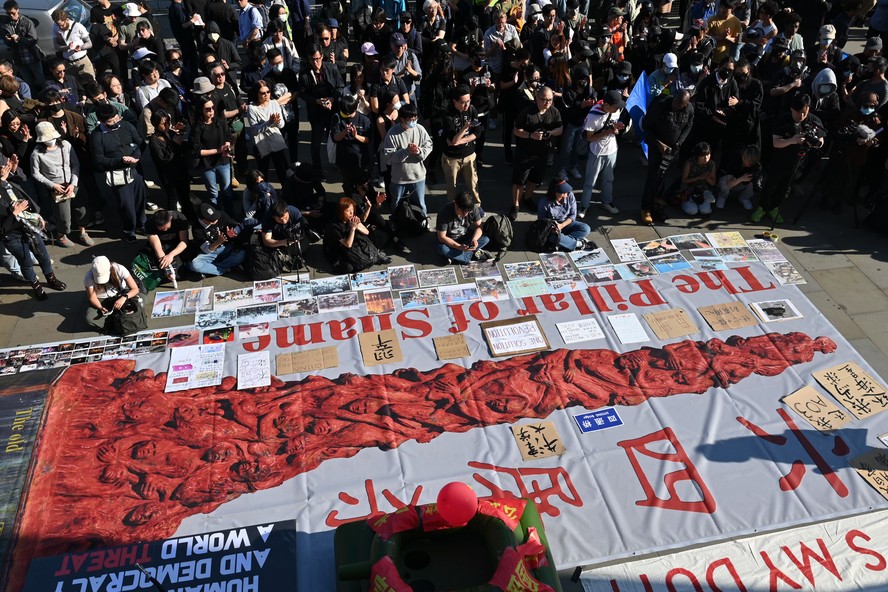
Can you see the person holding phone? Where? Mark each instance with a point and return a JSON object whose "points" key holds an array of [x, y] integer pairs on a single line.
{"points": [[211, 145]]}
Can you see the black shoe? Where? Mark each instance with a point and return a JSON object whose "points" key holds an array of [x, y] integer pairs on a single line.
{"points": [[513, 213], [383, 260], [399, 246], [55, 283], [39, 293], [131, 238]]}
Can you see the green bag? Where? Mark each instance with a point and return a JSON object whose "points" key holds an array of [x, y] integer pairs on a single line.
{"points": [[146, 272]]}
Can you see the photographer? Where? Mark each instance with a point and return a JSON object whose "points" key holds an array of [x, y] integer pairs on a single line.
{"points": [[460, 237], [600, 130], [795, 134], [534, 128], [667, 123], [283, 229], [161, 258], [219, 240], [20, 228]]}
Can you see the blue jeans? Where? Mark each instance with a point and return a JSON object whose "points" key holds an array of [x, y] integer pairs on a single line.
{"points": [[418, 194], [217, 180], [569, 140], [457, 255], [22, 249], [595, 166], [570, 234], [219, 261]]}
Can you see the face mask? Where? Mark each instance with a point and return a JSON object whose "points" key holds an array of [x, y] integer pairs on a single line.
{"points": [[622, 78], [411, 124], [278, 67], [113, 126], [725, 75], [695, 69], [826, 42], [742, 77], [175, 64], [54, 108], [49, 144], [824, 89], [397, 106], [214, 37], [282, 17], [867, 110]]}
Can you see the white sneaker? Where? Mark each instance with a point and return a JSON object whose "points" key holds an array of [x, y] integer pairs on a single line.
{"points": [[720, 201], [746, 203], [151, 206], [610, 208], [575, 173], [581, 213], [562, 174], [689, 207]]}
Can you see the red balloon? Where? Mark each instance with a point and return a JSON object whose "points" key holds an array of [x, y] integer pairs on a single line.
{"points": [[457, 504]]}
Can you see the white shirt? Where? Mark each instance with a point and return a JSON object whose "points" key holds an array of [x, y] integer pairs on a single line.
{"points": [[595, 122], [76, 35], [103, 292]]}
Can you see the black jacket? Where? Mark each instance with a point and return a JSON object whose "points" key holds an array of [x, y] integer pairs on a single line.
{"points": [[9, 224], [109, 147], [312, 89]]}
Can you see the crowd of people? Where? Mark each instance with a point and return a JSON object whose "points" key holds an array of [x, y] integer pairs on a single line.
{"points": [[738, 99]]}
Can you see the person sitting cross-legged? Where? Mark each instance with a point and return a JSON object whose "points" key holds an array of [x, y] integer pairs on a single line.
{"points": [[460, 238], [560, 205]]}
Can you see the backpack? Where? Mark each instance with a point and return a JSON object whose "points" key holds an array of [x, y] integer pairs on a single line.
{"points": [[410, 219], [264, 13], [264, 263], [537, 237], [129, 319], [498, 228]]}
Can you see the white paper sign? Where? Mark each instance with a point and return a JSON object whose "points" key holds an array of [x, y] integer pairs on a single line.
{"points": [[582, 330], [195, 366], [628, 328], [253, 370]]}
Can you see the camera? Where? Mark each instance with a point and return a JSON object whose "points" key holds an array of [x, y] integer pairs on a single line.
{"points": [[811, 134], [546, 134]]}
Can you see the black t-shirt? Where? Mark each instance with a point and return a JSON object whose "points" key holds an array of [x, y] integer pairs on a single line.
{"points": [[169, 239], [225, 99], [350, 152], [281, 231], [531, 121], [786, 127], [453, 122], [396, 85]]}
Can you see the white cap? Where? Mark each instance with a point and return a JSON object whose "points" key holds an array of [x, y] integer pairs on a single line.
{"points": [[130, 9], [101, 269], [670, 60], [142, 52], [369, 49]]}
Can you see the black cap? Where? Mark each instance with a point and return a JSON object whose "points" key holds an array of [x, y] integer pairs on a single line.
{"points": [[581, 49], [624, 68], [780, 41], [614, 98], [209, 212]]}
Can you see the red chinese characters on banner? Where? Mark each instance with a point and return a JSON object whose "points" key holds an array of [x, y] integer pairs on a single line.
{"points": [[334, 521], [793, 479], [688, 472], [540, 495]]}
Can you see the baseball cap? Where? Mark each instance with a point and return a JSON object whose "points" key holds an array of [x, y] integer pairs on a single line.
{"points": [[369, 49], [827, 32], [670, 60], [874, 43], [564, 188], [581, 49], [333, 23], [142, 52], [534, 9], [615, 12], [614, 98], [101, 269], [398, 40], [209, 213], [780, 42]]}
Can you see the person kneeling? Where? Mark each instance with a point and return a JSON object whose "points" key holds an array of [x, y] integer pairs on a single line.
{"points": [[347, 242], [560, 206], [109, 288], [460, 238]]}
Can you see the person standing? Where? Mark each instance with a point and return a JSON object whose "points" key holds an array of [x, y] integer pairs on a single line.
{"points": [[20, 37], [115, 150], [460, 132], [350, 131], [667, 124], [404, 149], [20, 232], [320, 83], [534, 128], [601, 128]]}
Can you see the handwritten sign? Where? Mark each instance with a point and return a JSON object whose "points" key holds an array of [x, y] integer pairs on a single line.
{"points": [[600, 419], [380, 347], [451, 347], [856, 390], [672, 323], [515, 336], [253, 370], [816, 409], [581, 330], [873, 467], [727, 316], [306, 361], [538, 440]]}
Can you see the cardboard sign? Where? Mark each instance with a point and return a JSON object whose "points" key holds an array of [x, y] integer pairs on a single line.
{"points": [[873, 467], [515, 336], [306, 361], [451, 347], [856, 390], [538, 440], [672, 323], [380, 347], [816, 409], [727, 316]]}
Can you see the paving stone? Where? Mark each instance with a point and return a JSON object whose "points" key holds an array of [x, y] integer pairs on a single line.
{"points": [[836, 315], [852, 290]]}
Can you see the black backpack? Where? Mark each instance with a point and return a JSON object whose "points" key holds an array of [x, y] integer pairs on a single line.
{"points": [[129, 319], [264, 263], [410, 219], [498, 228], [537, 238]]}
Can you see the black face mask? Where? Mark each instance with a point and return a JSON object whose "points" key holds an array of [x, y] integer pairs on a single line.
{"points": [[725, 75], [743, 77], [54, 108], [175, 64]]}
